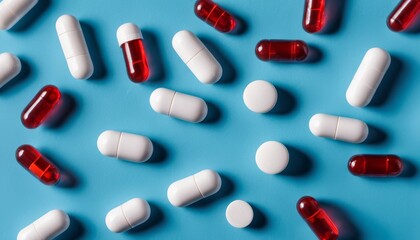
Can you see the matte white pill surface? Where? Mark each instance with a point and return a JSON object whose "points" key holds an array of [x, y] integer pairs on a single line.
{"points": [[368, 77], [10, 67], [11, 11], [74, 47], [338, 128], [260, 96], [126, 146], [193, 188], [49, 226], [128, 215], [178, 105], [239, 214], [272, 157], [197, 57]]}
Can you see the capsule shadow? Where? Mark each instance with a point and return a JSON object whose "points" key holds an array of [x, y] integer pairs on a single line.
{"points": [[159, 153], [76, 230], [156, 217], [241, 25], [24, 74], [376, 136], [410, 170], [299, 163], [67, 178], [334, 12], [62, 112], [260, 220], [154, 56], [314, 55], [213, 113], [415, 26], [32, 16], [226, 189], [285, 104], [94, 48]]}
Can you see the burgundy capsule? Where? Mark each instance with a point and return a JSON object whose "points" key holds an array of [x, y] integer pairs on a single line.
{"points": [[41, 106], [214, 15], [375, 165], [403, 15], [314, 16], [281, 50], [320, 223], [38, 165]]}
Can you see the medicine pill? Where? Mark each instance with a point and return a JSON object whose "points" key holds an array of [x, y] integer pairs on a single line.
{"points": [[282, 50], [272, 157], [239, 214], [314, 16], [128, 215], [260, 96], [403, 15], [10, 67], [375, 165], [214, 15], [11, 11]]}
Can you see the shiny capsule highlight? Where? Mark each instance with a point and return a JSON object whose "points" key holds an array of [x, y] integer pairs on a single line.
{"points": [[375, 165], [282, 50], [214, 15], [314, 16], [403, 15]]}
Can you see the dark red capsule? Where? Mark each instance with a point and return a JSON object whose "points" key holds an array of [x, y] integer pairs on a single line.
{"points": [[41, 106], [403, 15], [281, 50], [317, 219], [314, 15], [214, 15], [375, 165], [38, 165]]}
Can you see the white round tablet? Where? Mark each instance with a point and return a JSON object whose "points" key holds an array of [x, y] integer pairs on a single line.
{"points": [[260, 96], [272, 157], [239, 214]]}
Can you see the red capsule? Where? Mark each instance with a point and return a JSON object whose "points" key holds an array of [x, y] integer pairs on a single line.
{"points": [[281, 50], [320, 223], [41, 106], [214, 15], [38, 165], [403, 15], [314, 16], [375, 165]]}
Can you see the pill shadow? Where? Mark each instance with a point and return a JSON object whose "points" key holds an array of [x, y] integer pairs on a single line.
{"points": [[67, 177], [62, 112], [24, 74], [156, 217], [376, 136], [76, 230], [410, 170], [299, 163], [213, 113], [241, 25], [100, 71], [154, 56], [159, 155], [226, 189], [314, 55], [32, 16], [260, 220], [285, 104], [334, 12]]}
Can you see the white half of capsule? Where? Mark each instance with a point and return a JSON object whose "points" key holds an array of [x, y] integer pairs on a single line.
{"points": [[368, 77], [74, 47], [128, 215], [338, 128], [128, 32], [49, 226], [193, 188], [10, 67], [178, 105], [11, 11], [126, 146], [197, 57]]}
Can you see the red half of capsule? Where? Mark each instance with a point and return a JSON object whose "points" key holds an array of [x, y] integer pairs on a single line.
{"points": [[38, 165], [403, 15], [214, 15], [135, 60], [320, 223], [314, 16], [375, 165], [282, 50], [41, 106]]}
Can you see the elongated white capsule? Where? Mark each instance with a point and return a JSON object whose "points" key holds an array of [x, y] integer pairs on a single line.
{"points": [[11, 11], [10, 67], [128, 215]]}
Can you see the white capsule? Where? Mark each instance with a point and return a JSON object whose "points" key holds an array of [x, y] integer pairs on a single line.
{"points": [[10, 67], [49, 226], [368, 77], [128, 215], [178, 105], [74, 47], [197, 57], [11, 11], [193, 188], [126, 146], [338, 128]]}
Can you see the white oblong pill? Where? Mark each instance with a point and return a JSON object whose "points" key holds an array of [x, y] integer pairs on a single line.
{"points": [[128, 215], [74, 47], [178, 105], [193, 188], [260, 96], [338, 128], [10, 67], [272, 157], [369, 75], [48, 226], [11, 11], [197, 57], [239, 214]]}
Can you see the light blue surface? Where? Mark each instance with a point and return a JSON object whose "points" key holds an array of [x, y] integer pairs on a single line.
{"points": [[363, 208]]}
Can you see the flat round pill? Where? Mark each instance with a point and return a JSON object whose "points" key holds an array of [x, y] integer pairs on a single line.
{"points": [[260, 96], [239, 214], [272, 157]]}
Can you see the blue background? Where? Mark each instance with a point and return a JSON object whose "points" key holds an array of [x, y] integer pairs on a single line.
{"points": [[363, 208]]}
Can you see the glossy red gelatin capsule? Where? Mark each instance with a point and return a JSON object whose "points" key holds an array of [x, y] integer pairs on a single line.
{"points": [[281, 50], [320, 223], [38, 165], [375, 165], [41, 106], [403, 15], [314, 16], [214, 15]]}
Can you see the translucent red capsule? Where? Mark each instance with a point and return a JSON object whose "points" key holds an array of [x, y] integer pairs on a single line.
{"points": [[314, 16], [403, 15], [316, 217], [214, 15], [375, 165], [41, 106], [282, 50], [39, 166]]}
